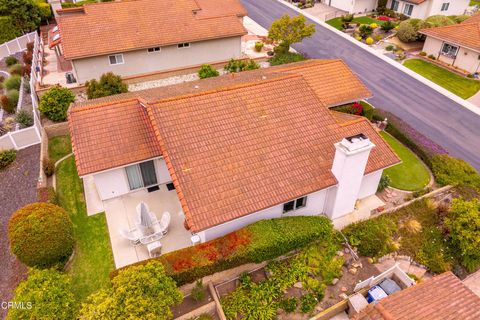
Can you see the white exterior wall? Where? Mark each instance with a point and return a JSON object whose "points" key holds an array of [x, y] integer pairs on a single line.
{"points": [[315, 206], [170, 57], [466, 59], [370, 184], [345, 5], [433, 7], [114, 183], [362, 6]]}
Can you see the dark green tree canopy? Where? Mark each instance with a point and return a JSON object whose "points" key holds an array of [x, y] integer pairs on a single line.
{"points": [[25, 14]]}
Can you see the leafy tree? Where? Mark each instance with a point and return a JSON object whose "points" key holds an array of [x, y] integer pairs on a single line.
{"points": [[207, 71], [8, 30], [463, 223], [46, 294], [108, 85], [287, 31], [25, 14], [137, 292], [55, 102], [41, 235], [408, 29]]}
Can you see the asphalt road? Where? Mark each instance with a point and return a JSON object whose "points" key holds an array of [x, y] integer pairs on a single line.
{"points": [[444, 121]]}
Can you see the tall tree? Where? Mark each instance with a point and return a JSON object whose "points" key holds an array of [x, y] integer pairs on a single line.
{"points": [[25, 14], [287, 31]]}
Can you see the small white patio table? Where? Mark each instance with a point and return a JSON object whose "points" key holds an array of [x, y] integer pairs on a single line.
{"points": [[155, 236]]}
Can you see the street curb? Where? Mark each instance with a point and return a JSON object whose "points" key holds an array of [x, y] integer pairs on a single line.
{"points": [[468, 105]]}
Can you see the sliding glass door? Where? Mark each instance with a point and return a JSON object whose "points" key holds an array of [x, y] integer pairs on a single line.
{"points": [[141, 175]]}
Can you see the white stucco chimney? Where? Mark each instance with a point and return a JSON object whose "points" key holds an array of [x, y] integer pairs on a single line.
{"points": [[349, 164]]}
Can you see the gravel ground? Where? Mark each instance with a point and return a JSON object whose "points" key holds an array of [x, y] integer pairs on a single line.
{"points": [[17, 187]]}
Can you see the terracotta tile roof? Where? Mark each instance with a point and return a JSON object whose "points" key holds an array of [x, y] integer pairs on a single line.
{"points": [[110, 136], [119, 26], [463, 34], [442, 297], [473, 19], [227, 144], [341, 86], [415, 1]]}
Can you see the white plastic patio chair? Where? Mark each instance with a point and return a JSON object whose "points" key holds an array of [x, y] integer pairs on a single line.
{"points": [[165, 222], [132, 235]]}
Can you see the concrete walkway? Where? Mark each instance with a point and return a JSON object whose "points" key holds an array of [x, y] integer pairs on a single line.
{"points": [[475, 99]]}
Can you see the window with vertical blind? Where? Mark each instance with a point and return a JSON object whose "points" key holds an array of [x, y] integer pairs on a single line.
{"points": [[141, 175], [408, 9]]}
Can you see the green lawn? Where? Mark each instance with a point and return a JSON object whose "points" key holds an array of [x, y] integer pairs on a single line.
{"points": [[461, 86], [93, 258], [59, 147], [409, 175], [337, 22]]}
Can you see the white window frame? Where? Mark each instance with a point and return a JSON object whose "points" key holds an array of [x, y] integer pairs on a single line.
{"points": [[405, 10], [395, 5], [184, 45], [447, 54], [445, 6], [296, 206], [116, 59], [154, 50]]}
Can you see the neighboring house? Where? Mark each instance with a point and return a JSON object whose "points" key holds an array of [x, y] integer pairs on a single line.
{"points": [[423, 9], [457, 45], [145, 36], [237, 148], [441, 297], [353, 6]]}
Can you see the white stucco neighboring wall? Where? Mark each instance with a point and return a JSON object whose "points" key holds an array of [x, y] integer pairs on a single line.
{"points": [[466, 59], [314, 206], [169, 57], [432, 7], [362, 6], [114, 183], [345, 5]]}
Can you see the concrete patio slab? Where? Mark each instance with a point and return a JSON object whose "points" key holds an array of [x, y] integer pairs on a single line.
{"points": [[121, 214], [92, 199], [363, 212]]}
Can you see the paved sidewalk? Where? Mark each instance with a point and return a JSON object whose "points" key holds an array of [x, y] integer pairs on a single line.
{"points": [[475, 99]]}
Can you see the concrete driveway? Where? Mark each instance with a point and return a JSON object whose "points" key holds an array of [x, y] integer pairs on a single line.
{"points": [[449, 124], [324, 12]]}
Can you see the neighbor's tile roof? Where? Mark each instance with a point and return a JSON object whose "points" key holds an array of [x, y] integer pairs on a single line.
{"points": [[119, 26], [227, 144], [463, 34], [472, 19], [442, 297], [111, 136], [415, 1]]}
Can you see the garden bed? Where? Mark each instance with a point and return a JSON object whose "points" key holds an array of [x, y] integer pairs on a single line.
{"points": [[189, 304]]}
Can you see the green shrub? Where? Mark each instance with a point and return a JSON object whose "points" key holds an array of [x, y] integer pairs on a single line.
{"points": [[365, 30], [463, 223], [11, 60], [371, 237], [45, 9], [384, 182], [258, 46], [198, 293], [7, 105], [108, 85], [7, 157], [284, 58], [207, 71], [12, 82], [240, 65], [13, 96], [15, 69], [47, 194], [433, 253], [8, 30], [460, 18], [48, 167], [390, 47], [49, 295], [55, 102], [288, 305], [387, 26], [41, 234], [308, 303], [439, 21], [139, 292], [263, 240], [408, 30], [25, 118], [431, 56], [369, 41], [449, 170]]}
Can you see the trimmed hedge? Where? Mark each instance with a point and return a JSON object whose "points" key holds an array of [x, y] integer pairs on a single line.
{"points": [[448, 170], [284, 58], [263, 240], [41, 235]]}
